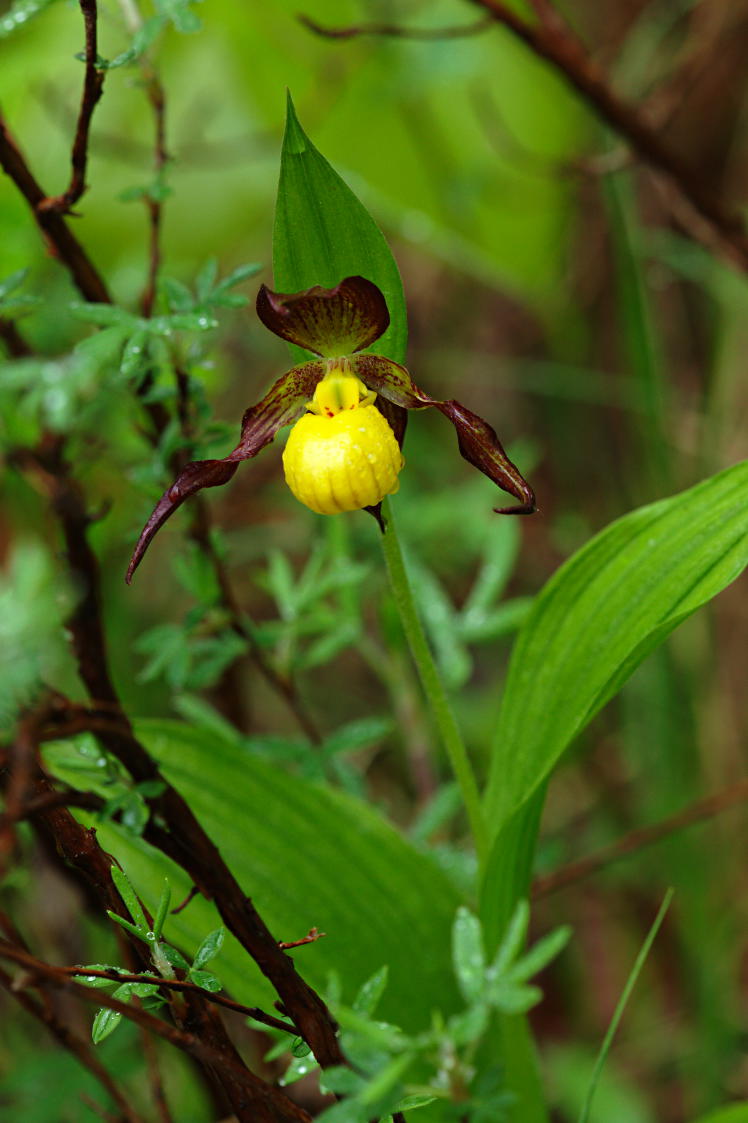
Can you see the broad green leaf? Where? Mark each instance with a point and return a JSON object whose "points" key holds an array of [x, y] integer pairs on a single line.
{"points": [[323, 233], [601, 614], [307, 856]]}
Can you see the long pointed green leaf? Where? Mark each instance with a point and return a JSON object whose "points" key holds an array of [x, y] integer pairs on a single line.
{"points": [[600, 615], [323, 234]]}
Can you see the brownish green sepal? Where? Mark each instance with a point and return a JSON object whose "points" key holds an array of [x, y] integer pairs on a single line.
{"points": [[330, 322], [283, 403], [478, 442]]}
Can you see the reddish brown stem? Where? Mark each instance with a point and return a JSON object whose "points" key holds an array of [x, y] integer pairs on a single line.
{"points": [[555, 42], [395, 31], [92, 87], [270, 1105], [80, 1048], [153, 202], [60, 240], [187, 988], [15, 344], [702, 214], [181, 837], [640, 838]]}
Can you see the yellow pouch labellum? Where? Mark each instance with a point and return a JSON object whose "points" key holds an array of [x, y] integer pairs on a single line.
{"points": [[342, 462]]}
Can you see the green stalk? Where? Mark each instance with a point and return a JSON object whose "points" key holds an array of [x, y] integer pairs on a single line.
{"points": [[441, 709]]}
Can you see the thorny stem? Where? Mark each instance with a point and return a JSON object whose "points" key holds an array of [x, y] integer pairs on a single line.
{"points": [[441, 708]]}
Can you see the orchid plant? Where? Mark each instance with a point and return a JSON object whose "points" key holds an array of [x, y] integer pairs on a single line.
{"points": [[349, 410]]}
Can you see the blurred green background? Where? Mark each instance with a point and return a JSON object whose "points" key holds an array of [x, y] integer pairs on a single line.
{"points": [[551, 288]]}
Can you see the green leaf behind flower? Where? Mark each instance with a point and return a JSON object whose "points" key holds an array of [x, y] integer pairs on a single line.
{"points": [[323, 234]]}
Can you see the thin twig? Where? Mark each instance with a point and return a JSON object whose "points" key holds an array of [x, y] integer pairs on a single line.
{"points": [[80, 1048], [154, 202], [158, 1092], [200, 532], [354, 31], [640, 838], [707, 219], [181, 836], [555, 42], [92, 89], [185, 987], [60, 240], [313, 935], [271, 1105], [22, 759]]}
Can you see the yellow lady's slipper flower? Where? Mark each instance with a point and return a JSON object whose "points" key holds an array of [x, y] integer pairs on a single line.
{"points": [[342, 455], [349, 409]]}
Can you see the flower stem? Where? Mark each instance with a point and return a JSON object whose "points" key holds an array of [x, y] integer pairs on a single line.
{"points": [[441, 709]]}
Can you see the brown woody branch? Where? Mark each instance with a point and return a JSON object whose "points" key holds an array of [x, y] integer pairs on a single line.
{"points": [[60, 240], [554, 41], [80, 1048], [79, 847], [182, 838], [702, 214], [185, 987], [640, 838], [157, 100], [92, 87], [270, 1105]]}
